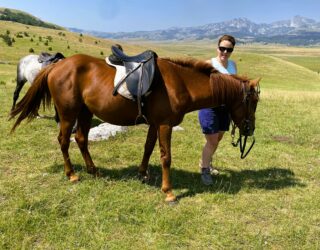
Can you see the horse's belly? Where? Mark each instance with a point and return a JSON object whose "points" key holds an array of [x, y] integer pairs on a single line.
{"points": [[119, 120], [123, 113]]}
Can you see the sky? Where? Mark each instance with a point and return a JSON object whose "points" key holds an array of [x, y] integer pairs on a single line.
{"points": [[146, 15]]}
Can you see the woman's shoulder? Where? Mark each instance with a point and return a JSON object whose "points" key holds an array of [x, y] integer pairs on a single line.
{"points": [[232, 62], [232, 67], [214, 61]]}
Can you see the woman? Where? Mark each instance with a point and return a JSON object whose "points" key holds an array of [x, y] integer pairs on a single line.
{"points": [[215, 121]]}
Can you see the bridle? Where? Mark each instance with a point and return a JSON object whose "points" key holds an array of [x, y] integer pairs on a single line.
{"points": [[242, 140]]}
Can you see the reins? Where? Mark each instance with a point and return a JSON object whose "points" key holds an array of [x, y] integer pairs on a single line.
{"points": [[241, 141]]}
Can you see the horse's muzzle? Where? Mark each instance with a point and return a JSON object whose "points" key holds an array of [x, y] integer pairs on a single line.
{"points": [[247, 128]]}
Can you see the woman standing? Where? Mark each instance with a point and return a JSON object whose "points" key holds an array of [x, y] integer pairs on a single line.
{"points": [[215, 121]]}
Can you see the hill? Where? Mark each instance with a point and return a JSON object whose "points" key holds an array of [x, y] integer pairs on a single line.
{"points": [[25, 18], [26, 38]]}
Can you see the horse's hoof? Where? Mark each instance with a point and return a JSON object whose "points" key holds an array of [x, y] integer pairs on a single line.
{"points": [[93, 171], [172, 203], [74, 178], [97, 174], [144, 178], [171, 199]]}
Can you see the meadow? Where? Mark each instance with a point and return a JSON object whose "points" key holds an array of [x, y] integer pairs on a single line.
{"points": [[269, 200]]}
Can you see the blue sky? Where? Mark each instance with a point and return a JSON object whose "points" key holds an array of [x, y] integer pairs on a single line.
{"points": [[137, 15]]}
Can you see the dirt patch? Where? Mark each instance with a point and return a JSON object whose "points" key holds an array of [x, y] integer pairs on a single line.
{"points": [[282, 138]]}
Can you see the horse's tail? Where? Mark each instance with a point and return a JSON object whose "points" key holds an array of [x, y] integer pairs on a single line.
{"points": [[29, 105]]}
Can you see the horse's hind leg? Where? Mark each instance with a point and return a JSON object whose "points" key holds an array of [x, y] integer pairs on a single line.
{"points": [[83, 127], [20, 84], [56, 116], [64, 140], [57, 119], [148, 149]]}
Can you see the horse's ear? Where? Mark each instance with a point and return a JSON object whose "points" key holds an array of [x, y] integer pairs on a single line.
{"points": [[255, 82]]}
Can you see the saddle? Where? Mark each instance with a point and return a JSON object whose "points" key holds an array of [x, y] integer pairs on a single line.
{"points": [[139, 74], [46, 58]]}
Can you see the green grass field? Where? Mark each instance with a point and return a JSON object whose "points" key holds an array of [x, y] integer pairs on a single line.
{"points": [[270, 200]]}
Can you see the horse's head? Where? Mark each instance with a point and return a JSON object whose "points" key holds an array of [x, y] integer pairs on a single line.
{"points": [[243, 113]]}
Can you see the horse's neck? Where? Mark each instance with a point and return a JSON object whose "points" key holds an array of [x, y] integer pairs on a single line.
{"points": [[220, 89]]}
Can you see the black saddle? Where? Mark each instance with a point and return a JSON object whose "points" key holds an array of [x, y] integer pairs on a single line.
{"points": [[46, 58], [139, 72]]}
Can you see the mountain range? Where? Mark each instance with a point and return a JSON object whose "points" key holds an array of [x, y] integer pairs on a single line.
{"points": [[296, 31]]}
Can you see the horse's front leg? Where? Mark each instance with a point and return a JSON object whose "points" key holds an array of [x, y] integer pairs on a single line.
{"points": [[165, 132], [64, 140], [148, 149]]}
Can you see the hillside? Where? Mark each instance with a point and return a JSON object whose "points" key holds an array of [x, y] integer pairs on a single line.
{"points": [[25, 18], [41, 39]]}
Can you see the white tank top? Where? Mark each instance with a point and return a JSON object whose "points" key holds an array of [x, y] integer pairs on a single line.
{"points": [[230, 70]]}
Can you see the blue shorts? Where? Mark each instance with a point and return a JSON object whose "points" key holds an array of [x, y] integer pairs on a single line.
{"points": [[213, 120]]}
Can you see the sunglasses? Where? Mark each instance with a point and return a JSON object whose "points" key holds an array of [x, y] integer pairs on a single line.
{"points": [[223, 49]]}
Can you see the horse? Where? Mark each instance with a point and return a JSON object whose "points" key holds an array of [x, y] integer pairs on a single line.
{"points": [[28, 68], [81, 86]]}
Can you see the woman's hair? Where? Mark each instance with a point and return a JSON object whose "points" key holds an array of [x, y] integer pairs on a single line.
{"points": [[229, 38]]}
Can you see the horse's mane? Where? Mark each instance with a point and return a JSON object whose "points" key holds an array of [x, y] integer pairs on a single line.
{"points": [[227, 87], [241, 78], [199, 65]]}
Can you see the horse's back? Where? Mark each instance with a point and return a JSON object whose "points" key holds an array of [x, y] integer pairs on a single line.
{"points": [[83, 59], [28, 68], [88, 74], [29, 58], [79, 67]]}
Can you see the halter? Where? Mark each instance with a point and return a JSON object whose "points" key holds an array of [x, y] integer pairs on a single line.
{"points": [[242, 140]]}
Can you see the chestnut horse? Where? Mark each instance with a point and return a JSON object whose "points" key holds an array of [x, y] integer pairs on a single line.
{"points": [[81, 86]]}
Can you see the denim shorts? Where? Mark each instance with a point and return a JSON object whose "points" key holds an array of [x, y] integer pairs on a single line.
{"points": [[213, 120]]}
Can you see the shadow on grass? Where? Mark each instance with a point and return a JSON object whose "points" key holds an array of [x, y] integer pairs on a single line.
{"points": [[229, 181]]}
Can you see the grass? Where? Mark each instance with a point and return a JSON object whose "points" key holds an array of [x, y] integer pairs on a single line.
{"points": [[270, 200]]}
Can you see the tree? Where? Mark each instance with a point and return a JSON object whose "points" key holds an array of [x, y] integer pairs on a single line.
{"points": [[7, 39]]}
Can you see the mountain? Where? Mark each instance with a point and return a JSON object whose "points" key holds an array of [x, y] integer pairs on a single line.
{"points": [[297, 31]]}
